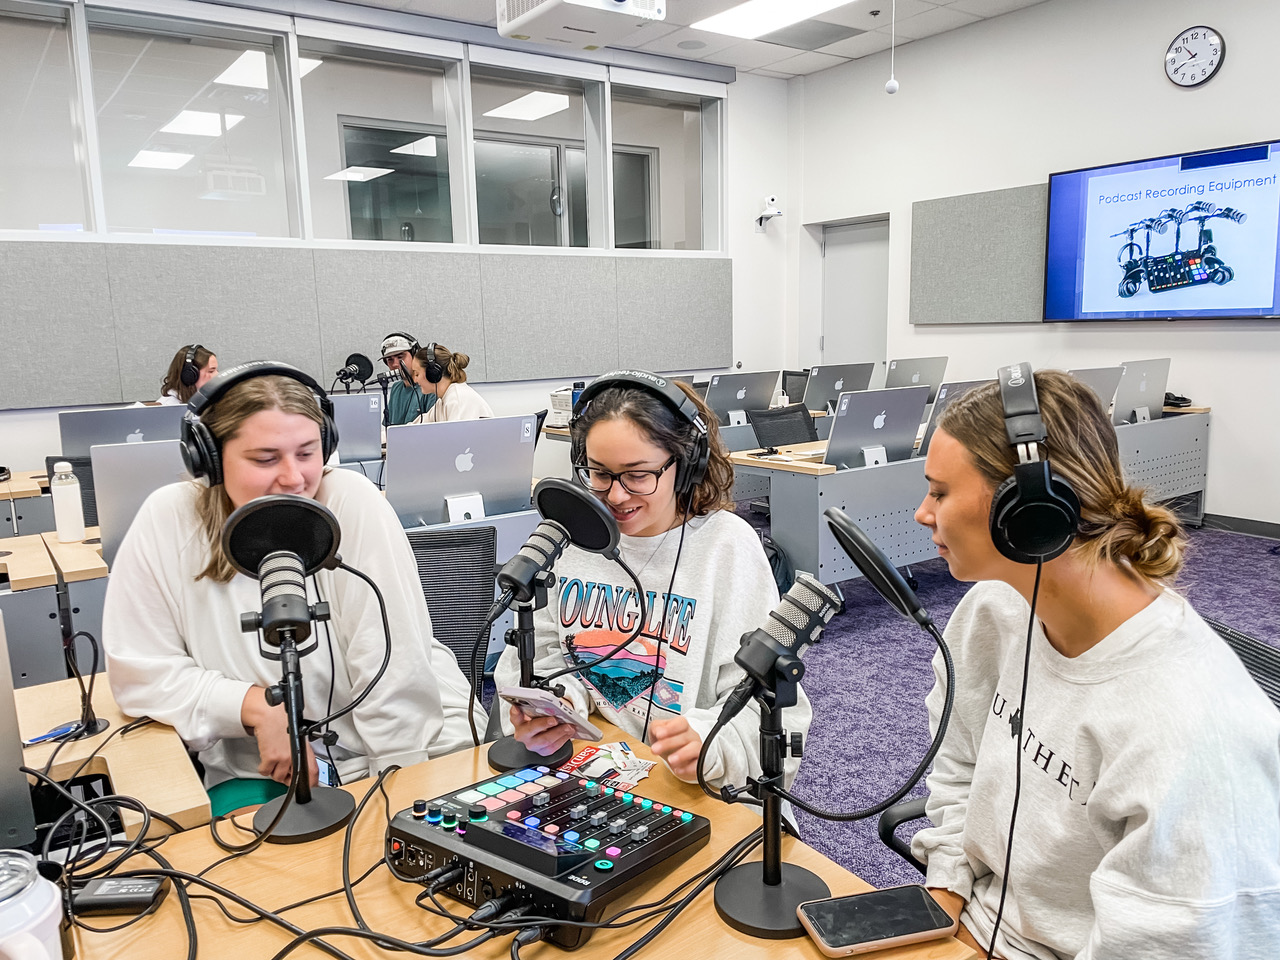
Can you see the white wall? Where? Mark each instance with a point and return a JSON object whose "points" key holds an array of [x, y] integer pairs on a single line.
{"points": [[1005, 102]]}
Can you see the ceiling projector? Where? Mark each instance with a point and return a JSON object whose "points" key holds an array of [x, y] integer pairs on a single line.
{"points": [[578, 24]]}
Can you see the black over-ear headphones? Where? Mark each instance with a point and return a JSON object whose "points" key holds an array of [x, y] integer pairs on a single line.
{"points": [[691, 468], [1034, 514], [190, 373], [432, 369], [201, 451], [406, 377]]}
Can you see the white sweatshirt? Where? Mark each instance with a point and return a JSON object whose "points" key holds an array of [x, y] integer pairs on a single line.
{"points": [[723, 588], [175, 652], [459, 402], [1149, 822]]}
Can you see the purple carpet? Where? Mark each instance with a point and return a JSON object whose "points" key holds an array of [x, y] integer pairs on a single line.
{"points": [[868, 678]]}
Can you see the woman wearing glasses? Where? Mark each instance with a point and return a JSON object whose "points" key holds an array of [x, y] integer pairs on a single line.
{"points": [[651, 451]]}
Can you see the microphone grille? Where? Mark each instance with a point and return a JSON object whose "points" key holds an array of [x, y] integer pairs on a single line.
{"points": [[546, 543], [281, 574], [807, 605]]}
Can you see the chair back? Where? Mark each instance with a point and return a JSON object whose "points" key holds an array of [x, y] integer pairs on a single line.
{"points": [[82, 467], [793, 384], [456, 569], [1260, 659], [783, 425]]}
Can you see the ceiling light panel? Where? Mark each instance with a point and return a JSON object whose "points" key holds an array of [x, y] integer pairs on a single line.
{"points": [[250, 70], [160, 160], [532, 106], [755, 18], [360, 174], [424, 147], [199, 123]]}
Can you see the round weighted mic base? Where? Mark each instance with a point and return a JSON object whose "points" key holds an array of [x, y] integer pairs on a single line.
{"points": [[327, 812], [510, 754], [746, 903]]}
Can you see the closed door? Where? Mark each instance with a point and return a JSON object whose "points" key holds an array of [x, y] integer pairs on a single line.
{"points": [[855, 292]]}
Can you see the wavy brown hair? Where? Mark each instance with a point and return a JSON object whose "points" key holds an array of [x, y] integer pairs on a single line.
{"points": [[1118, 524], [224, 418], [663, 427], [172, 382]]}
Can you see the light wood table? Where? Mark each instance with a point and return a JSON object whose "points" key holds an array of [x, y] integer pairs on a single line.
{"points": [[149, 763], [79, 560], [803, 458], [274, 875], [24, 483], [26, 561]]}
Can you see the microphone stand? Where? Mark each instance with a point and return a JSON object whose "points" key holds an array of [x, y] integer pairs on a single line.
{"points": [[760, 897], [508, 753]]}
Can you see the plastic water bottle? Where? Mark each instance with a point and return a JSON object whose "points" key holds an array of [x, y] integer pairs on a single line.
{"points": [[68, 510]]}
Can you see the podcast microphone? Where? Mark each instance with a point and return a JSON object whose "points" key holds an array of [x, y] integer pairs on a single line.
{"points": [[359, 367]]}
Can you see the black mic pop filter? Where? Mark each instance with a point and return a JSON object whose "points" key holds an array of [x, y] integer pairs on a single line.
{"points": [[286, 522], [357, 367], [875, 566], [591, 527]]}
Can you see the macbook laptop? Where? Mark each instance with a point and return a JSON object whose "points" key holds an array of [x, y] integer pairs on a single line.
{"points": [[946, 394], [825, 384], [82, 429], [124, 475], [358, 417], [429, 463], [888, 418], [1103, 381], [734, 392], [1142, 385], [917, 370]]}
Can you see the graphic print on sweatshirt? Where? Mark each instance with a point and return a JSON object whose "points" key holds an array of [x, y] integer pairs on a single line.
{"points": [[596, 617]]}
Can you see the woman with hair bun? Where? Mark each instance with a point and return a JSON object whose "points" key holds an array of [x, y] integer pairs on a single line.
{"points": [[1148, 808], [441, 373]]}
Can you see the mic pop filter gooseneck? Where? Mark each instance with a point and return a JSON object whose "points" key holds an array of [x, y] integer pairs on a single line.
{"points": [[875, 566], [281, 522], [588, 522]]}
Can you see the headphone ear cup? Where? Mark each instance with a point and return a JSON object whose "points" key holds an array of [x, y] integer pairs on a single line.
{"points": [[200, 451], [328, 437], [692, 470], [1037, 528]]}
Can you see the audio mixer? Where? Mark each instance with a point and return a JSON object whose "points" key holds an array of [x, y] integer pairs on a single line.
{"points": [[563, 844]]}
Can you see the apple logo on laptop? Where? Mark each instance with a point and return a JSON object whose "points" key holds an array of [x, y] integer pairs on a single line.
{"points": [[839, 384], [135, 437], [878, 422], [1142, 385], [742, 393], [463, 461], [915, 377]]}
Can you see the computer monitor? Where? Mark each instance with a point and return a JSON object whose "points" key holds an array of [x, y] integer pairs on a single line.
{"points": [[1102, 380], [17, 819], [82, 429], [827, 383], [917, 370], [946, 394], [427, 463], [739, 392], [124, 475], [358, 417], [889, 418], [1142, 385]]}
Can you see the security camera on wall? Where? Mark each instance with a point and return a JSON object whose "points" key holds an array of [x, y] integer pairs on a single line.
{"points": [[581, 24], [770, 211]]}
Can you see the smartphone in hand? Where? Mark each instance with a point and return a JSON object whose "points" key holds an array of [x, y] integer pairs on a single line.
{"points": [[875, 920], [543, 703]]}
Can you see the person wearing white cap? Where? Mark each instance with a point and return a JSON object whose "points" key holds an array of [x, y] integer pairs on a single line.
{"points": [[405, 403]]}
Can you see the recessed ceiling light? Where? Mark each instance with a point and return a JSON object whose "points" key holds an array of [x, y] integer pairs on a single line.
{"points": [[198, 123], [160, 160], [360, 174], [532, 106], [691, 44], [425, 147], [250, 70], [758, 17]]}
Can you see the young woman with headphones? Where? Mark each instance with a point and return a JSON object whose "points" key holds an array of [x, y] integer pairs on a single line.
{"points": [[171, 624], [1109, 784], [650, 449], [442, 375], [190, 369]]}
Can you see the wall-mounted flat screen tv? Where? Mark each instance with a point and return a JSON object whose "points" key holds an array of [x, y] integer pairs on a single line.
{"points": [[1190, 236]]}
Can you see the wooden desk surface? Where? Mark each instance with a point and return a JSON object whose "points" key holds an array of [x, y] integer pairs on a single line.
{"points": [[27, 562], [274, 875], [80, 560], [816, 468], [149, 763], [24, 483]]}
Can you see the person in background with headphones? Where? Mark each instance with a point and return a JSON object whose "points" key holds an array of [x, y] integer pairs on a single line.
{"points": [[190, 369], [171, 623], [405, 402], [650, 449], [441, 375], [1148, 810]]}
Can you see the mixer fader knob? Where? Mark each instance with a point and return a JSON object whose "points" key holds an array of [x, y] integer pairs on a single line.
{"points": [[578, 811], [639, 833], [618, 826], [598, 818]]}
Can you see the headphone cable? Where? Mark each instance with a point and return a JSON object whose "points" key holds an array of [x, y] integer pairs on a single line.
{"points": [[658, 672]]}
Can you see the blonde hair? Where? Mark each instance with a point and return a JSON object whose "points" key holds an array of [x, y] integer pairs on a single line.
{"points": [[1118, 524], [224, 418], [453, 364]]}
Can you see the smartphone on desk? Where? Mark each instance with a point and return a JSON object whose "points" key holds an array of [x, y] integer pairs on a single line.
{"points": [[543, 703], [875, 920]]}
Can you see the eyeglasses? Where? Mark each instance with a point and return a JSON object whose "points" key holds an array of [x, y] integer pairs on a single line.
{"points": [[638, 482]]}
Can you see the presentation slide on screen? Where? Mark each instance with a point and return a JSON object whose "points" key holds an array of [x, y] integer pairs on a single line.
{"points": [[1171, 236]]}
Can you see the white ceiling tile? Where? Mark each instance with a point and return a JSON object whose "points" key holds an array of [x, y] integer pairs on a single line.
{"points": [[751, 54], [384, 4], [771, 74], [651, 30], [859, 14], [808, 62], [991, 8], [469, 11], [685, 12], [862, 45], [707, 44], [938, 20]]}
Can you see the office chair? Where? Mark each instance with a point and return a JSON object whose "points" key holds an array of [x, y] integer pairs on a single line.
{"points": [[82, 467], [1260, 659], [783, 425], [456, 568], [542, 418], [793, 384]]}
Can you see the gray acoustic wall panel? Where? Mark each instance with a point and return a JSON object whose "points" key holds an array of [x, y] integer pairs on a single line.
{"points": [[979, 258], [362, 295], [675, 312], [55, 306], [549, 316], [243, 303]]}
